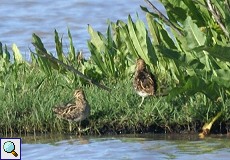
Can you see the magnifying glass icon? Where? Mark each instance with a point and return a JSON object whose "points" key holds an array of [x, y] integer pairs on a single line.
{"points": [[9, 147]]}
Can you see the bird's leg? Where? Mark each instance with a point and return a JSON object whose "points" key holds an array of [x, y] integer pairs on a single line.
{"points": [[79, 128], [141, 101], [70, 126]]}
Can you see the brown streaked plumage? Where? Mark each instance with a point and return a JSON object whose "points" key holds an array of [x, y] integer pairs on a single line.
{"points": [[77, 111], [144, 81]]}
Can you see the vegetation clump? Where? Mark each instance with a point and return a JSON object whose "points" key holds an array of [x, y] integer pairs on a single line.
{"points": [[188, 51]]}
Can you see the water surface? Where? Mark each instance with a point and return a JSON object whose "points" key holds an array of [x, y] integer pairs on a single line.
{"points": [[127, 147], [21, 18]]}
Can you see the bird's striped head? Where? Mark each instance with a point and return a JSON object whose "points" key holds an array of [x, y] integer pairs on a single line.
{"points": [[79, 94], [140, 64]]}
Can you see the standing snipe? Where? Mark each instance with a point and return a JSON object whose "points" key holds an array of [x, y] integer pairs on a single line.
{"points": [[77, 111], [144, 82]]}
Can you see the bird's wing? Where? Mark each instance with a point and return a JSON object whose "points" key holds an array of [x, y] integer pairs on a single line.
{"points": [[72, 112], [148, 83]]}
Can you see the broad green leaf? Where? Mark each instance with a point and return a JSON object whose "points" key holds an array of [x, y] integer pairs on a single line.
{"points": [[217, 51], [194, 37], [153, 29], [183, 59], [96, 56], [17, 55], [72, 53], [4, 54], [194, 85], [222, 77], [176, 11], [96, 39], [103, 52], [132, 30], [126, 36], [110, 51], [151, 13], [1, 49], [166, 39], [196, 12], [58, 44], [40, 51], [141, 41], [33, 58]]}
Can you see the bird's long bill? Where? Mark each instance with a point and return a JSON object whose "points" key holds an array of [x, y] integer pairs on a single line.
{"points": [[14, 153]]}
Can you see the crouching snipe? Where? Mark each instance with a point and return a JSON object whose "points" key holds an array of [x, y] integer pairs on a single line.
{"points": [[77, 111], [144, 81]]}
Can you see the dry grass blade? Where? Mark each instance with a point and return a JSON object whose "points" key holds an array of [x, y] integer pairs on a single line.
{"points": [[207, 126]]}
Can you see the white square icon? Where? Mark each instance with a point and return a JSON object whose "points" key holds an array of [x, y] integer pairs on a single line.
{"points": [[10, 148]]}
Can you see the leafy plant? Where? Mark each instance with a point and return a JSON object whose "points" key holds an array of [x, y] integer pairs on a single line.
{"points": [[47, 65], [105, 53], [10, 62], [63, 64], [190, 51]]}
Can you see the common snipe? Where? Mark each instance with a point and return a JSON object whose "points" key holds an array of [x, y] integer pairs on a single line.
{"points": [[77, 111], [144, 81]]}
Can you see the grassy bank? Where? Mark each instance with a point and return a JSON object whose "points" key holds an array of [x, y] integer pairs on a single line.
{"points": [[191, 63], [26, 102]]}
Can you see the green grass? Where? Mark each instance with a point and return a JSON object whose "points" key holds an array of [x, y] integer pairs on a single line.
{"points": [[26, 102], [193, 68]]}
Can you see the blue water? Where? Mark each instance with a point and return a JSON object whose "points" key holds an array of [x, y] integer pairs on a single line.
{"points": [[128, 147], [21, 18]]}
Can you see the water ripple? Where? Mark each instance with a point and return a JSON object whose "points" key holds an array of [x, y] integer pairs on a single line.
{"points": [[21, 18], [128, 148]]}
